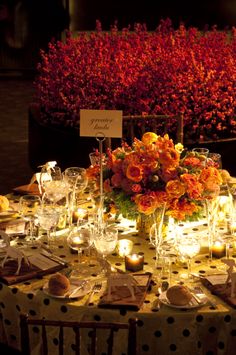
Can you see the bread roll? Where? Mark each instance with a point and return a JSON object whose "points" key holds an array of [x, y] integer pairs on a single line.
{"points": [[58, 284], [179, 295], [4, 203]]}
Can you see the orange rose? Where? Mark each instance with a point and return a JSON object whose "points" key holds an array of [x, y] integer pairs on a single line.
{"points": [[175, 188], [134, 173], [211, 178], [169, 157], [168, 174], [180, 209], [192, 162], [149, 138], [193, 187], [147, 203]]}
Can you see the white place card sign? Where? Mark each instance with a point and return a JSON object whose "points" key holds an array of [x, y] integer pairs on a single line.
{"points": [[95, 123]]}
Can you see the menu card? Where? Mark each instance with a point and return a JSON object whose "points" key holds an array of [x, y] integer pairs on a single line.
{"points": [[121, 297], [39, 265], [216, 284]]}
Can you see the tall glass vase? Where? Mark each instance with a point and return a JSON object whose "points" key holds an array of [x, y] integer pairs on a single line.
{"points": [[156, 232], [212, 216]]}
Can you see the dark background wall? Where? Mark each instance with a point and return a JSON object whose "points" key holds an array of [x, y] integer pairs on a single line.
{"points": [[191, 12], [26, 26]]}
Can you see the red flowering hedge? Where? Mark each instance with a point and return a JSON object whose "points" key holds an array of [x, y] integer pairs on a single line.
{"points": [[163, 72]]}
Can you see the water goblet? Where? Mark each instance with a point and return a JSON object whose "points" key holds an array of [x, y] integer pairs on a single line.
{"points": [[76, 178], [188, 247], [105, 240], [79, 239], [28, 204], [48, 218]]}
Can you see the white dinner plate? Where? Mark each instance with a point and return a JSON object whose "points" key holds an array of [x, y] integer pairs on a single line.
{"points": [[8, 214], [71, 294], [192, 304]]}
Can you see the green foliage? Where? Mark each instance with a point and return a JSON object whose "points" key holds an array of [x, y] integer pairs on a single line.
{"points": [[125, 206]]}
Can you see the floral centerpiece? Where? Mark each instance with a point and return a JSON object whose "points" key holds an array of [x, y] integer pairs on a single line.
{"points": [[141, 178]]}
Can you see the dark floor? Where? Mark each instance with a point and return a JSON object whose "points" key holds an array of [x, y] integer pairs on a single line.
{"points": [[15, 95]]}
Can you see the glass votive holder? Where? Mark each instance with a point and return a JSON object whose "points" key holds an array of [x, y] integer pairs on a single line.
{"points": [[134, 262], [201, 151], [124, 247], [79, 214], [218, 249], [95, 158]]}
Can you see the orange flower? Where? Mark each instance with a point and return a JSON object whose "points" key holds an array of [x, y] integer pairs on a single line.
{"points": [[180, 209], [107, 186], [168, 174], [169, 157], [192, 161], [92, 172], [116, 179], [134, 172], [175, 188], [146, 203], [149, 138], [193, 187], [211, 178], [136, 188]]}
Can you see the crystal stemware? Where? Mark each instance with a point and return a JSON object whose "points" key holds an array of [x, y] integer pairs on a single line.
{"points": [[79, 239], [77, 181], [188, 247], [105, 240], [48, 218], [28, 204]]}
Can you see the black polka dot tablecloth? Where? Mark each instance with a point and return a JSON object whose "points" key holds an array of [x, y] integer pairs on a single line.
{"points": [[202, 330]]}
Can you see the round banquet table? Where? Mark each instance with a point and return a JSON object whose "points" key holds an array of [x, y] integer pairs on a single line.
{"points": [[202, 330]]}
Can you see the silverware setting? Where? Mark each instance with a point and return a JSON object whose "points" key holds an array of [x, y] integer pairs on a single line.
{"points": [[96, 288], [74, 292], [162, 288], [53, 257]]}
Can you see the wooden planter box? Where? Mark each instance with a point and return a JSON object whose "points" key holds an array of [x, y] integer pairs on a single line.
{"points": [[49, 143], [69, 149]]}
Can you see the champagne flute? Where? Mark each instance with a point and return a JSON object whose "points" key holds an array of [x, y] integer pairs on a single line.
{"points": [[28, 204], [77, 181]]}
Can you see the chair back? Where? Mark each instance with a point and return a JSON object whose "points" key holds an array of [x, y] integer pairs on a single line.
{"points": [[136, 126], [92, 326]]}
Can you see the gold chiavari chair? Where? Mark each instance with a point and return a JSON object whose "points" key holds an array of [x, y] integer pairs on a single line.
{"points": [[92, 326]]}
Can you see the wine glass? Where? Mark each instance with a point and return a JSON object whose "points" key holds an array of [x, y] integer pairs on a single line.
{"points": [[28, 204], [76, 178], [79, 239], [56, 190], [48, 218], [188, 247], [105, 240]]}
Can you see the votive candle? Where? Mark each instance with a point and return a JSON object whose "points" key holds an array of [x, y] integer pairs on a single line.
{"points": [[124, 247], [218, 249], [134, 262]]}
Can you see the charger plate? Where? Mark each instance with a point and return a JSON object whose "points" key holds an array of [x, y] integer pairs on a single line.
{"points": [[192, 304]]}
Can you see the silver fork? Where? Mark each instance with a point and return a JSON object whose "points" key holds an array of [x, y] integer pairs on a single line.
{"points": [[96, 288]]}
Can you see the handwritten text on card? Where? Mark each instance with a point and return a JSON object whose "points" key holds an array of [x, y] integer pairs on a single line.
{"points": [[107, 123]]}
